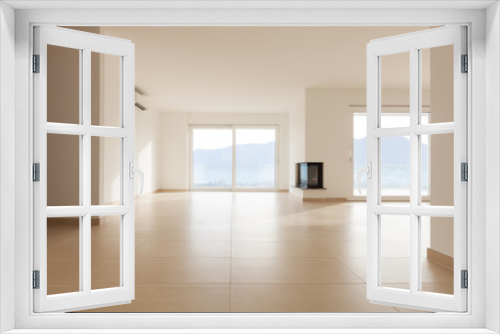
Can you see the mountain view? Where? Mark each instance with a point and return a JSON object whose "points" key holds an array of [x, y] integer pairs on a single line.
{"points": [[395, 163], [254, 167]]}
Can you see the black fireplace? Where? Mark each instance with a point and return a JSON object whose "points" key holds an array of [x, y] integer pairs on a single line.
{"points": [[309, 175]]}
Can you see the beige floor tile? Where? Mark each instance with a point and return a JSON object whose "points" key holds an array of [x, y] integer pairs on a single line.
{"points": [[63, 270], [154, 249], [303, 298], [105, 272], [176, 298], [62, 288], [239, 252], [244, 248], [182, 271], [396, 271], [311, 232], [286, 271], [184, 234]]}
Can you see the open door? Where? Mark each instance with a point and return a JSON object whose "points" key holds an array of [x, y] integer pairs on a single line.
{"points": [[77, 129], [447, 218]]}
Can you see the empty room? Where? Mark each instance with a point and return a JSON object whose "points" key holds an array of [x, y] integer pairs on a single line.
{"points": [[255, 159]]}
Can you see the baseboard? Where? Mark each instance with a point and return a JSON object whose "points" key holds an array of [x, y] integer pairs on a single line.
{"points": [[325, 199], [157, 191], [186, 190], [440, 258]]}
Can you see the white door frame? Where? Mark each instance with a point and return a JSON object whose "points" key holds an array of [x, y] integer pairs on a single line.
{"points": [[85, 43], [413, 43], [479, 318]]}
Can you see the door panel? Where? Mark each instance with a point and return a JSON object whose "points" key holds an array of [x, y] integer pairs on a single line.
{"points": [[430, 277], [66, 197]]}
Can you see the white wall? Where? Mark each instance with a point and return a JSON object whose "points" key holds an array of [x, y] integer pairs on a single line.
{"points": [[297, 138], [175, 139], [148, 141], [329, 134], [174, 152]]}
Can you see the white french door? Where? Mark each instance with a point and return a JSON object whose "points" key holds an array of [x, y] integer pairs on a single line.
{"points": [[414, 288], [70, 137]]}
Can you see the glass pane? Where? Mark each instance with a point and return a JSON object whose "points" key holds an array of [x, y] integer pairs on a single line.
{"points": [[436, 245], [395, 251], [106, 249], [212, 158], [255, 158], [359, 146], [106, 170], [63, 85], [359, 151], [395, 167], [106, 90], [395, 86], [438, 83], [63, 170], [437, 169], [63, 255]]}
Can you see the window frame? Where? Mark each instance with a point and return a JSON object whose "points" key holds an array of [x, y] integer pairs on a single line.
{"points": [[477, 317], [386, 110], [233, 129]]}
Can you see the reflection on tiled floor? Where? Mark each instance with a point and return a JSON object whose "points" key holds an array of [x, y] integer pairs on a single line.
{"points": [[239, 252]]}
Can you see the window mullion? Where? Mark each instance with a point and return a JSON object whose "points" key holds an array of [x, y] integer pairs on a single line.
{"points": [[85, 170], [234, 159], [414, 169]]}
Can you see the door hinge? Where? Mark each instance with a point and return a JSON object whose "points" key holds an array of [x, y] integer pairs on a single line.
{"points": [[465, 279], [36, 279], [36, 172], [464, 172], [465, 64], [36, 63]]}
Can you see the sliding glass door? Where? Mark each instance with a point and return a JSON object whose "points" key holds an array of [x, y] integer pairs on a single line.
{"points": [[212, 158], [234, 158]]}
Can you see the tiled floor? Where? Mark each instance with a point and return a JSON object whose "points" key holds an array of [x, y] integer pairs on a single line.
{"points": [[240, 252]]}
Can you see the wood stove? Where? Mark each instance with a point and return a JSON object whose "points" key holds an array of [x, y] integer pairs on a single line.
{"points": [[309, 175]]}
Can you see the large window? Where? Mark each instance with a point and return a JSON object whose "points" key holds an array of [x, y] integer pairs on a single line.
{"points": [[234, 157], [395, 157]]}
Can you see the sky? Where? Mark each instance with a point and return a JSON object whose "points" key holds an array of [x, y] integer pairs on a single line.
{"points": [[210, 139]]}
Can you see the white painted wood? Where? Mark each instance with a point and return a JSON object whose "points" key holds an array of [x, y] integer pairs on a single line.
{"points": [[492, 161], [77, 129], [471, 322], [413, 43], [7, 167], [428, 129], [248, 4], [86, 298]]}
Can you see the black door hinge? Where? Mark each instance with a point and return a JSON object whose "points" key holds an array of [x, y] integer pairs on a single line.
{"points": [[465, 64], [36, 279], [36, 172], [465, 279], [36, 63], [464, 172]]}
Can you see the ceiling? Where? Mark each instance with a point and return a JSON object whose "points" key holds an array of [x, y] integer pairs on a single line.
{"points": [[252, 69]]}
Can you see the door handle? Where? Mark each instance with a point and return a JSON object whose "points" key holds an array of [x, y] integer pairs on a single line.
{"points": [[368, 171], [133, 170]]}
